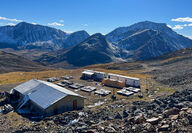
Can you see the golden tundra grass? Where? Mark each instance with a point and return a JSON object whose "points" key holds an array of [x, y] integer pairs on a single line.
{"points": [[174, 59], [18, 77]]}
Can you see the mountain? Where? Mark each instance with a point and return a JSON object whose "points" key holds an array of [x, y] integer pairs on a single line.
{"points": [[95, 49], [76, 38], [148, 40], [10, 62], [29, 36]]}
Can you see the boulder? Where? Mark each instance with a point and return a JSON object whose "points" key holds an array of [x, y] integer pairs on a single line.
{"points": [[184, 109], [124, 113], [90, 131], [164, 128], [183, 114], [101, 128], [118, 116], [139, 119], [173, 117], [179, 105], [134, 108], [189, 97], [110, 130], [149, 127], [153, 120], [157, 101], [172, 111], [189, 111], [190, 119]]}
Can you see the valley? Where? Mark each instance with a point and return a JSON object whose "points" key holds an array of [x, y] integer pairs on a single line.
{"points": [[150, 51]]}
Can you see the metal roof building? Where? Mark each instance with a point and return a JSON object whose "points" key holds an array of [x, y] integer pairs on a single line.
{"points": [[96, 75], [45, 98], [129, 81]]}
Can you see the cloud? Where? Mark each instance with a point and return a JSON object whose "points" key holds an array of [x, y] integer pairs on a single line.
{"points": [[11, 24], [62, 21], [9, 19], [186, 19], [85, 25], [178, 27], [55, 24], [169, 26]]}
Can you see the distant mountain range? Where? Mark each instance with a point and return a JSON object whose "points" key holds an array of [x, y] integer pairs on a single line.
{"points": [[140, 41], [148, 39], [93, 50], [30, 36]]}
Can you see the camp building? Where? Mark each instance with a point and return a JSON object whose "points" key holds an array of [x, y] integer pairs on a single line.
{"points": [[110, 79], [38, 97], [95, 75]]}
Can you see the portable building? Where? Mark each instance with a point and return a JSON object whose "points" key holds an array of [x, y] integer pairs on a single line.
{"points": [[95, 75], [129, 81], [87, 74], [43, 98], [99, 76], [113, 83]]}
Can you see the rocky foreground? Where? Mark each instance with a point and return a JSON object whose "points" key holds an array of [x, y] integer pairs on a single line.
{"points": [[168, 114]]}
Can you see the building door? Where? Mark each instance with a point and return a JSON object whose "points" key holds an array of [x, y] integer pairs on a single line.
{"points": [[56, 110], [75, 104]]}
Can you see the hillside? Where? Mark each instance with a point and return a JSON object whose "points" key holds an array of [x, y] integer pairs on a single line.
{"points": [[93, 50], [173, 69], [11, 62], [148, 40]]}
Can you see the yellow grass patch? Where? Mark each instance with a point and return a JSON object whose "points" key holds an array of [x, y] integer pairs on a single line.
{"points": [[18, 77], [174, 59]]}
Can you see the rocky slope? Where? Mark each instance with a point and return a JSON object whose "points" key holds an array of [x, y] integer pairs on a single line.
{"points": [[165, 114], [29, 36], [93, 50], [148, 40]]}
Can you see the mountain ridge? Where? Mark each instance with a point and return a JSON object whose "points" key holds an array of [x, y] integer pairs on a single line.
{"points": [[29, 36], [148, 39], [141, 41], [93, 50]]}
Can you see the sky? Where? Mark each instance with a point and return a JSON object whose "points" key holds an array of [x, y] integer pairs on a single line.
{"points": [[98, 15]]}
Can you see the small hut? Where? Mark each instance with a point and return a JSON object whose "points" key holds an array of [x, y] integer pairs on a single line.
{"points": [[37, 97]]}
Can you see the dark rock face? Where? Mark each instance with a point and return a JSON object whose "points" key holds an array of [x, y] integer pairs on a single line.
{"points": [[147, 40]]}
